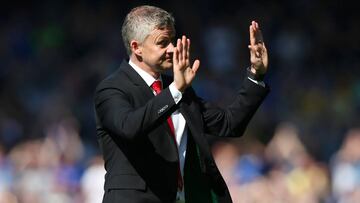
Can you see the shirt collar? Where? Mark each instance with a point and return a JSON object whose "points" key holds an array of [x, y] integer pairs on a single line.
{"points": [[149, 79]]}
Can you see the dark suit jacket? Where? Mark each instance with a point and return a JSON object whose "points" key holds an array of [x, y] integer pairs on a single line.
{"points": [[140, 155]]}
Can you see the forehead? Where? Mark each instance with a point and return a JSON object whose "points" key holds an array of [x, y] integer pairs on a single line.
{"points": [[162, 32]]}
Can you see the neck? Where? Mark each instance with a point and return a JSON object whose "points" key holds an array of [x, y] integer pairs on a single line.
{"points": [[145, 67]]}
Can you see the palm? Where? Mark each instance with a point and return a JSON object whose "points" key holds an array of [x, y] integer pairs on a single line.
{"points": [[183, 72]]}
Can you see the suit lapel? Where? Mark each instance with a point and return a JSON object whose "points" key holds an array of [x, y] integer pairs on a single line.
{"points": [[147, 94], [136, 79], [194, 122]]}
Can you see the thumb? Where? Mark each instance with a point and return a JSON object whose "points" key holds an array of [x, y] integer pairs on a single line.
{"points": [[196, 65]]}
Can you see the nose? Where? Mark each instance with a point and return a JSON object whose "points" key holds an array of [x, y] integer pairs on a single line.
{"points": [[170, 48]]}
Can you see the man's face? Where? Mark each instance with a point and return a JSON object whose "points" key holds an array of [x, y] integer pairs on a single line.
{"points": [[157, 49]]}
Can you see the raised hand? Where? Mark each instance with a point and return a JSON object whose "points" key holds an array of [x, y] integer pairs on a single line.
{"points": [[183, 72], [258, 53]]}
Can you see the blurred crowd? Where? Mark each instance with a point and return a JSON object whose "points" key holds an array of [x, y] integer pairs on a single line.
{"points": [[283, 170], [302, 145]]}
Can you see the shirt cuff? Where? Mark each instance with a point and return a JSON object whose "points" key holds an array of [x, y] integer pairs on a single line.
{"points": [[176, 94], [261, 83]]}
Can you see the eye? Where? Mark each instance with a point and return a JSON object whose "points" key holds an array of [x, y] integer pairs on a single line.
{"points": [[163, 42]]}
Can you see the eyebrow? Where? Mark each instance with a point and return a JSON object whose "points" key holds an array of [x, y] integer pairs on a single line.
{"points": [[164, 37]]}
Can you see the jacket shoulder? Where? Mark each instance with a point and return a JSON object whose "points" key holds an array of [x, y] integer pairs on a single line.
{"points": [[117, 79]]}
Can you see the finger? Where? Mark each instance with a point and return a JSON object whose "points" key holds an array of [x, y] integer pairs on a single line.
{"points": [[176, 56], [196, 65], [264, 48], [255, 33], [179, 48], [188, 52], [188, 48], [254, 23], [252, 48], [252, 34], [184, 50]]}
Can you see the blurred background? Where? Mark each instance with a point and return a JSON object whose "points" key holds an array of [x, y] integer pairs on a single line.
{"points": [[303, 145]]}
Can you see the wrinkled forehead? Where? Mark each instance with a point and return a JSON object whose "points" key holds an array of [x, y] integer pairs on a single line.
{"points": [[165, 31]]}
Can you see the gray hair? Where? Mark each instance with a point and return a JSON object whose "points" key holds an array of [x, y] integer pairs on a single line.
{"points": [[142, 20]]}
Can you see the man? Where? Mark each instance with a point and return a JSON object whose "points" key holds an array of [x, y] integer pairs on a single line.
{"points": [[152, 128]]}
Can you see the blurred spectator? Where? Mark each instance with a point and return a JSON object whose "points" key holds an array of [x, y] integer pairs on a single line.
{"points": [[305, 179], [6, 178], [346, 169], [92, 182]]}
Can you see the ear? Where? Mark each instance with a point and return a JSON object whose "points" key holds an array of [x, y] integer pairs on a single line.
{"points": [[135, 47]]}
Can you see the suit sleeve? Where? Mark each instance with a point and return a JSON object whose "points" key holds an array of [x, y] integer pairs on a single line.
{"points": [[116, 113], [233, 120]]}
